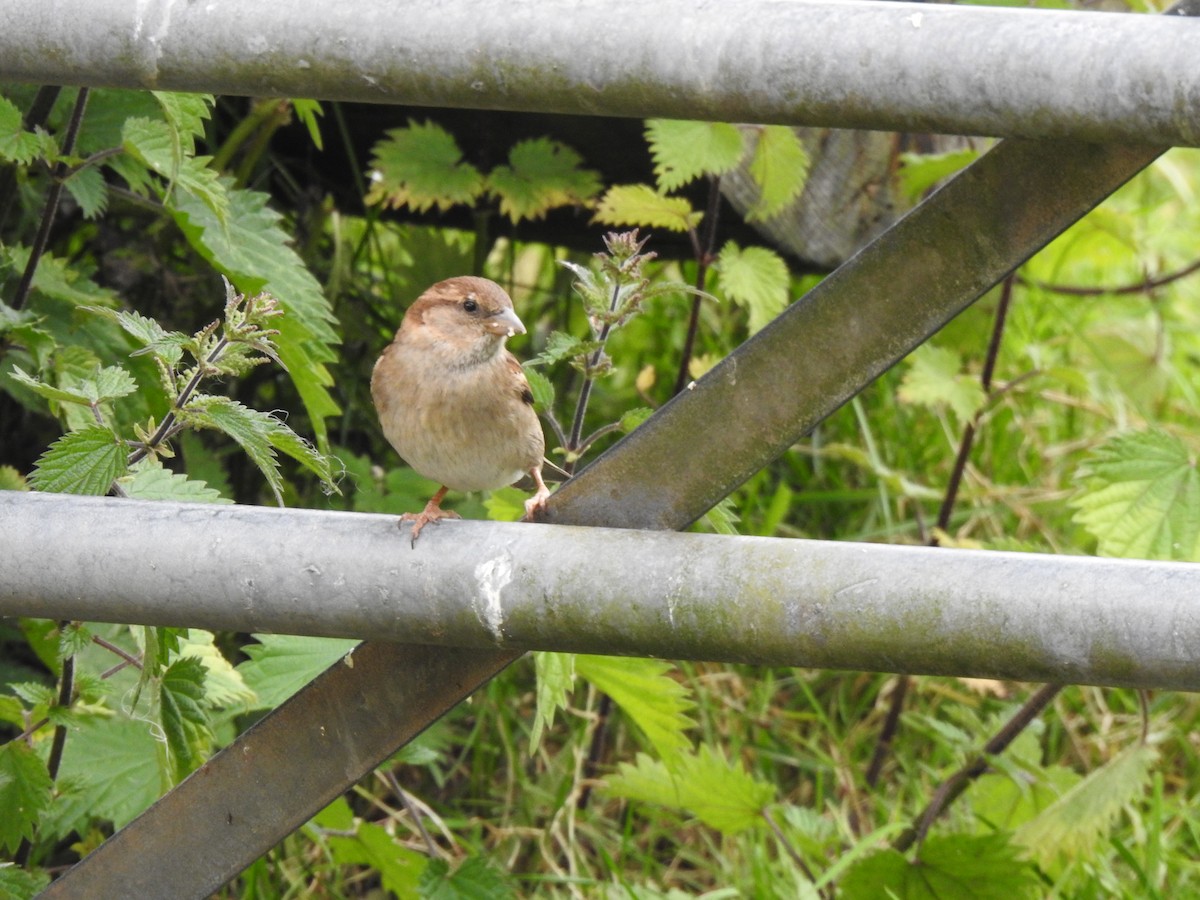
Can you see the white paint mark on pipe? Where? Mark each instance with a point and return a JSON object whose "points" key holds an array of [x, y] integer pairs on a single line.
{"points": [[492, 576]]}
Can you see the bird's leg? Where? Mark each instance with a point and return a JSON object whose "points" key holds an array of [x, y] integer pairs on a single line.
{"points": [[537, 502], [431, 513]]}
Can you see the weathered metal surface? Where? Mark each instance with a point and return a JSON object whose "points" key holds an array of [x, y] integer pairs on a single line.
{"points": [[512, 587], [884, 66]]}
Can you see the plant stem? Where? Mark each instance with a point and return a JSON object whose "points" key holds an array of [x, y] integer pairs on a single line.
{"points": [[704, 251], [952, 788], [1144, 286], [164, 430], [574, 441], [53, 197], [66, 692]]}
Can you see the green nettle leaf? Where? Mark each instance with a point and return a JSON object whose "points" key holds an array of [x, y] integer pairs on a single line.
{"points": [[780, 169], [223, 684], [559, 346], [1141, 497], [253, 253], [82, 462], [646, 692], [156, 145], [951, 867], [755, 278], [148, 480], [1079, 821], [541, 175], [16, 144], [399, 868], [115, 762], [260, 434], [184, 718], [684, 150], [1005, 802], [641, 206], [24, 792], [308, 112], [420, 167], [555, 678], [935, 379], [186, 114], [541, 387], [474, 879], [88, 188], [281, 664], [20, 884], [719, 793], [920, 172]]}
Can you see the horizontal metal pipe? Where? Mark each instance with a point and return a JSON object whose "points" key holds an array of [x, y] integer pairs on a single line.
{"points": [[882, 65], [519, 587]]}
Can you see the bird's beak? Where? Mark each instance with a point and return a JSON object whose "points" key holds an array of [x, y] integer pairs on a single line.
{"points": [[505, 323]]}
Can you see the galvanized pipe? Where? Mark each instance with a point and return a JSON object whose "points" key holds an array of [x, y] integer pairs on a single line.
{"points": [[514, 587], [880, 65]]}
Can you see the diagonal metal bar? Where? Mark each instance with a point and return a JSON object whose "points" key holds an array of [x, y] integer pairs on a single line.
{"points": [[830, 344]]}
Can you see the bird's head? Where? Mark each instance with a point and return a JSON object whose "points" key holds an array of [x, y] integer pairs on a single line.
{"points": [[467, 316]]}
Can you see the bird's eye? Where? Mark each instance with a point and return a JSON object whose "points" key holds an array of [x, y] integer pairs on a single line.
{"points": [[470, 305]]}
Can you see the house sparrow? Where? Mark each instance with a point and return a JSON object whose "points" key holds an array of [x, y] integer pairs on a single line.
{"points": [[454, 402]]}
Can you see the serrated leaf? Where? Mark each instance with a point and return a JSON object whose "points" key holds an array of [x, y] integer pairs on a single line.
{"points": [[657, 703], [281, 664], [399, 868], [21, 884], [186, 115], [935, 379], [951, 867], [559, 345], [82, 462], [541, 387], [719, 793], [1005, 802], [420, 167], [1141, 497], [259, 434], [88, 188], [47, 391], [16, 144], [115, 763], [59, 280], [150, 481], [755, 278], [223, 684], [555, 678], [639, 205], [779, 167], [1080, 820], [158, 146], [685, 150], [474, 879], [182, 714], [541, 175], [24, 792], [506, 504], [308, 112], [254, 254]]}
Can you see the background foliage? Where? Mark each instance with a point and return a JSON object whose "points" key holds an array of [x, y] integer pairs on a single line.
{"points": [[574, 775]]}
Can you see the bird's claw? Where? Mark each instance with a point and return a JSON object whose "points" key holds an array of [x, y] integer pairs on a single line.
{"points": [[423, 518]]}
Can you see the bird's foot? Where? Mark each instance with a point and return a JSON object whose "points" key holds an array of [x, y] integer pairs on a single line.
{"points": [[432, 512], [535, 504]]}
